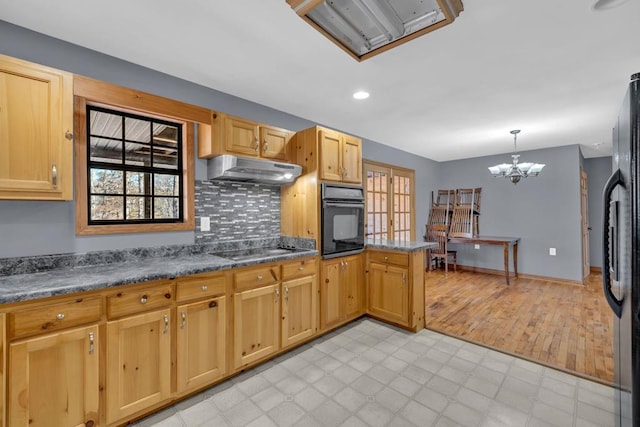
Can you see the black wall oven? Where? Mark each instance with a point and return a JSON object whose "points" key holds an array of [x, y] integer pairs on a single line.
{"points": [[342, 220]]}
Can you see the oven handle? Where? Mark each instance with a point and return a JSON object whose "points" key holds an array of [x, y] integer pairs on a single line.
{"points": [[343, 205]]}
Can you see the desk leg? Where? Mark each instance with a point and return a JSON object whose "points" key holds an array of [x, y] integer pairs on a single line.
{"points": [[515, 258], [506, 261]]}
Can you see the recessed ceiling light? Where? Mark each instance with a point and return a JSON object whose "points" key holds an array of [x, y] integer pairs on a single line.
{"points": [[361, 95], [599, 5]]}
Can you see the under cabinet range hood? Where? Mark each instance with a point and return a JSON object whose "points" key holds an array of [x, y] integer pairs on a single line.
{"points": [[234, 168], [364, 28]]}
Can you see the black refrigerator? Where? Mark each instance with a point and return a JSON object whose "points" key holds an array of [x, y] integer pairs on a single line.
{"points": [[621, 253]]}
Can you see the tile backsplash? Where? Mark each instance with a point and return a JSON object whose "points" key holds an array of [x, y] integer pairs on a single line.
{"points": [[237, 210]]}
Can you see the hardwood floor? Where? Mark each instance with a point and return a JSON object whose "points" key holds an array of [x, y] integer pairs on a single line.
{"points": [[565, 326]]}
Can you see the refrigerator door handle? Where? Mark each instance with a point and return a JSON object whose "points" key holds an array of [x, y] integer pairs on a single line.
{"points": [[614, 180]]}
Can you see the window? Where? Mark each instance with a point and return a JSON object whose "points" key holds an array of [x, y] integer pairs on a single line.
{"points": [[390, 202], [134, 167], [134, 159]]}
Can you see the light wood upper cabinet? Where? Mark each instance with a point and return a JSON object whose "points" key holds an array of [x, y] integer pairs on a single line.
{"points": [[340, 157], [234, 135], [138, 363], [36, 125], [256, 324], [299, 309], [201, 343], [54, 379]]}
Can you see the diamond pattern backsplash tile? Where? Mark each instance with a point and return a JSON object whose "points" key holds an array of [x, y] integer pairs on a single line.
{"points": [[237, 210]]}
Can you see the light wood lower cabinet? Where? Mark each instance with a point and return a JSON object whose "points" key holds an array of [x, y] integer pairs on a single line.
{"points": [[299, 310], [389, 292], [341, 290], [201, 343], [54, 379], [138, 363], [256, 324], [395, 287]]}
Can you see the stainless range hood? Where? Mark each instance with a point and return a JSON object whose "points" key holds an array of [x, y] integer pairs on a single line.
{"points": [[233, 168]]}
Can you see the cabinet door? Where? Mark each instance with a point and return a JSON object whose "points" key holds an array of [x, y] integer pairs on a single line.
{"points": [[36, 112], [389, 293], [299, 309], [241, 136], [275, 143], [201, 342], [256, 324], [352, 159], [138, 363], [330, 295], [353, 287], [54, 379], [330, 156]]}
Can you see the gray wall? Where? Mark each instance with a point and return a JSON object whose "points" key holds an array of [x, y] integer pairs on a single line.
{"points": [[544, 211], [427, 174], [598, 171]]}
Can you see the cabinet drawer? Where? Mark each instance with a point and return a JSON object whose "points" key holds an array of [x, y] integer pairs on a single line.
{"points": [[257, 276], [200, 287], [131, 301], [300, 268], [43, 318], [397, 258]]}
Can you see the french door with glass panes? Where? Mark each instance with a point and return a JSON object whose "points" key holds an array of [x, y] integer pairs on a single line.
{"points": [[390, 202]]}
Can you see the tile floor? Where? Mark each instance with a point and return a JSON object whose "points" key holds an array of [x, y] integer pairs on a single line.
{"points": [[371, 374]]}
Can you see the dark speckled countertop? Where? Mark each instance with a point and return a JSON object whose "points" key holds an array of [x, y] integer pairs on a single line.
{"points": [[82, 278]]}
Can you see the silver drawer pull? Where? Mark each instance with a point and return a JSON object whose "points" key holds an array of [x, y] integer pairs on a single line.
{"points": [[144, 299], [91, 342], [204, 288], [60, 316], [166, 323], [54, 175], [300, 268], [386, 258], [259, 277]]}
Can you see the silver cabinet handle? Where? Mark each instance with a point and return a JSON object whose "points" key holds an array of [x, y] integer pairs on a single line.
{"points": [[265, 146], [144, 299], [301, 268], [91, 342], [286, 293], [259, 277], [60, 316], [386, 258], [404, 278], [54, 175], [183, 316], [166, 323], [257, 144], [277, 295], [204, 288]]}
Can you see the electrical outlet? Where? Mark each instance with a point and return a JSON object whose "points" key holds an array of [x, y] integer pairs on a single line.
{"points": [[205, 223], [552, 251], [476, 246]]}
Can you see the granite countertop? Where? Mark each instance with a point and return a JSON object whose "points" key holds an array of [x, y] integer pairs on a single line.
{"points": [[398, 245], [61, 281]]}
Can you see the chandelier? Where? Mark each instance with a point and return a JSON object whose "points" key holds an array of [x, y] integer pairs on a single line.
{"points": [[516, 171]]}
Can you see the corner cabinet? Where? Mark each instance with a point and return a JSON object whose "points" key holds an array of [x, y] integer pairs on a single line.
{"points": [[341, 290], [234, 135], [340, 157], [36, 125], [395, 287]]}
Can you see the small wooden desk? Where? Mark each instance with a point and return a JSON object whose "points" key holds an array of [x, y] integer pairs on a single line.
{"points": [[505, 242]]}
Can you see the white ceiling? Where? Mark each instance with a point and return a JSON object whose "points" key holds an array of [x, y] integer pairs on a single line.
{"points": [[553, 68]]}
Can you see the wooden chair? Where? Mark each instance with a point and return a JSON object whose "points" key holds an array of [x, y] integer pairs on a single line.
{"points": [[439, 235]]}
